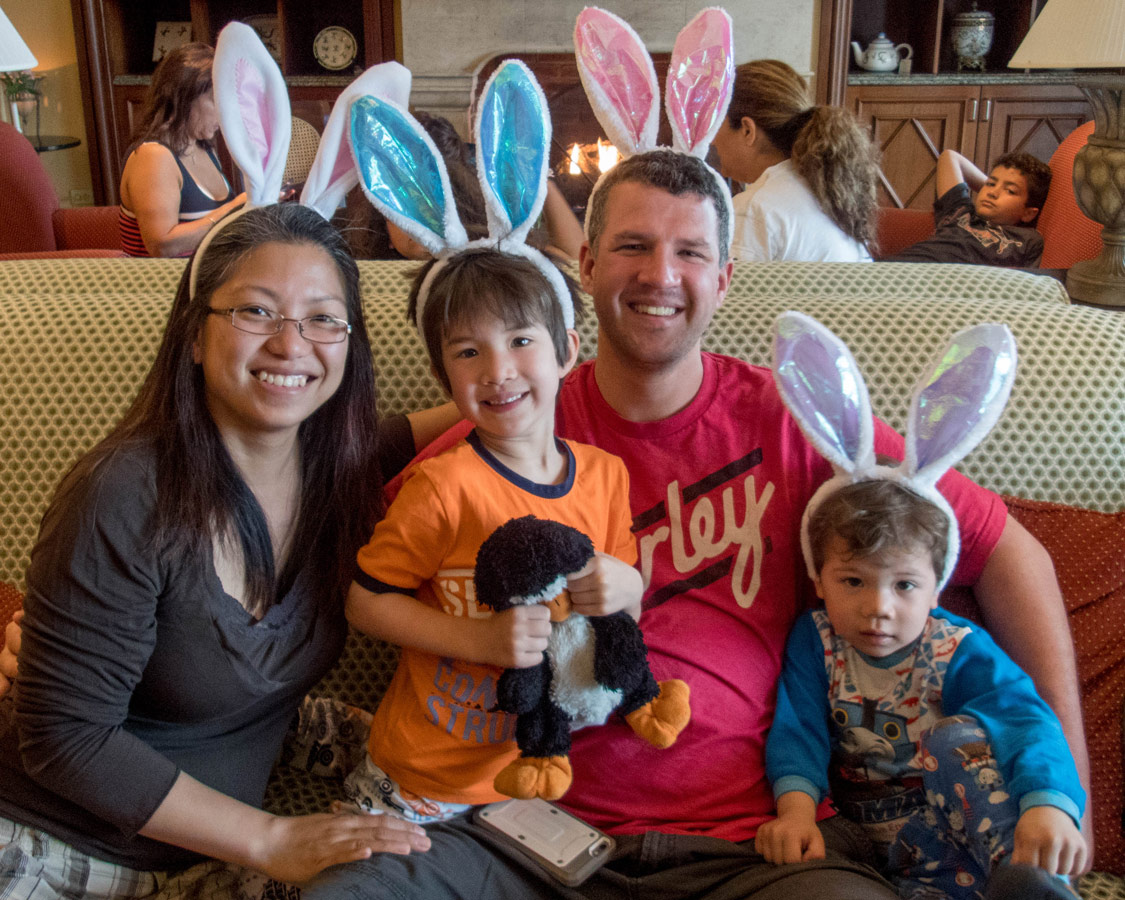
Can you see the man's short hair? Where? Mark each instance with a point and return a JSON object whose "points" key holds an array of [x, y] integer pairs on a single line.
{"points": [[488, 281], [1036, 172], [676, 173], [874, 517]]}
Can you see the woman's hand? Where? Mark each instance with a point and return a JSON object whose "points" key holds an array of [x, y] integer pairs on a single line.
{"points": [[10, 651], [292, 849], [296, 849], [606, 585]]}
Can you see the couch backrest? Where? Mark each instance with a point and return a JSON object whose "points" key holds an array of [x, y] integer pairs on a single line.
{"points": [[77, 336]]}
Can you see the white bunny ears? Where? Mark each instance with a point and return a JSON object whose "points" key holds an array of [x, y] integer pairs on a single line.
{"points": [[405, 177], [954, 405], [620, 81], [254, 114]]}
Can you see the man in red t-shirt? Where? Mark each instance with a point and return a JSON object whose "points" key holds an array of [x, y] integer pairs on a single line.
{"points": [[719, 477]]}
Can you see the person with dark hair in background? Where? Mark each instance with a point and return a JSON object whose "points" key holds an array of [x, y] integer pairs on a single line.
{"points": [[172, 188], [994, 228], [811, 171]]}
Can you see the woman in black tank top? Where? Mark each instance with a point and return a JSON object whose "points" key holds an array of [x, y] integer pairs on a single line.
{"points": [[173, 189]]}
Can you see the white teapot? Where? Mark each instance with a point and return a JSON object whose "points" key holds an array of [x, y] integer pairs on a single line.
{"points": [[881, 55]]}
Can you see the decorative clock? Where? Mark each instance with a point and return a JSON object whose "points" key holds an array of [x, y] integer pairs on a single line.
{"points": [[335, 48]]}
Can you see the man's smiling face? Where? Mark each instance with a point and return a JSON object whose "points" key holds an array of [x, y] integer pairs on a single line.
{"points": [[655, 274]]}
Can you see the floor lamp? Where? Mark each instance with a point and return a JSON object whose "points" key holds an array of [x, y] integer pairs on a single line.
{"points": [[14, 56], [1090, 34]]}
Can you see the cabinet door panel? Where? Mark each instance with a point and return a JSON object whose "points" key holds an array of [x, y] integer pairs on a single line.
{"points": [[910, 130], [1029, 119]]}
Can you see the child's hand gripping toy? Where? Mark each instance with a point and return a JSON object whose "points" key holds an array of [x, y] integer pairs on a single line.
{"points": [[954, 405], [592, 667]]}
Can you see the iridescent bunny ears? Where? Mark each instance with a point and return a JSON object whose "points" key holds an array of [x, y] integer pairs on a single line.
{"points": [[955, 404], [253, 105], [405, 177], [620, 82]]}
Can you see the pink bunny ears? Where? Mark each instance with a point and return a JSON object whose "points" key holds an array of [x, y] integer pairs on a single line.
{"points": [[954, 405], [620, 82]]}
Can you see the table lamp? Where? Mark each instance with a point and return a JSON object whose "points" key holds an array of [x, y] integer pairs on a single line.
{"points": [[14, 55], [1090, 34]]}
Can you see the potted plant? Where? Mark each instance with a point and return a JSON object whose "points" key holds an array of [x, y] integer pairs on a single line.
{"points": [[22, 91]]}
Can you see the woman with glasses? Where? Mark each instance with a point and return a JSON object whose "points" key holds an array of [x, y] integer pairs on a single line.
{"points": [[188, 582]]}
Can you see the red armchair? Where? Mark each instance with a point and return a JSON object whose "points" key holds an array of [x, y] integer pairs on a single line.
{"points": [[33, 224]]}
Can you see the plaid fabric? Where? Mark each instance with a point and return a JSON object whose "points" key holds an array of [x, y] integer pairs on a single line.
{"points": [[36, 866]]}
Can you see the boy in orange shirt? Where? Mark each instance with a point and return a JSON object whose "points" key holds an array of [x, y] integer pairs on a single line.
{"points": [[496, 336]]}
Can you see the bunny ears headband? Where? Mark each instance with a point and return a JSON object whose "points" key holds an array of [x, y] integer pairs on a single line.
{"points": [[254, 114], [405, 178], [620, 82], [955, 404]]}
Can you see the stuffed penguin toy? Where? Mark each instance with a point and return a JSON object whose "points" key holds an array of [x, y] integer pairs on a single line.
{"points": [[593, 666]]}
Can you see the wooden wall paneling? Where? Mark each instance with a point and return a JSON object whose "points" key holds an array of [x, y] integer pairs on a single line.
{"points": [[1029, 119], [911, 131]]}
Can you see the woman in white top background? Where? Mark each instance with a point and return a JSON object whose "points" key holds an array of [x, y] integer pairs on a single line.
{"points": [[810, 171]]}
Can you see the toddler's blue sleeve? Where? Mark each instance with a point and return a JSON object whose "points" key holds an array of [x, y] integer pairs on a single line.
{"points": [[798, 748]]}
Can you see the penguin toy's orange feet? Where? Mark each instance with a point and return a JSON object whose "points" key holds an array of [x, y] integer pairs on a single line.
{"points": [[661, 720], [548, 777]]}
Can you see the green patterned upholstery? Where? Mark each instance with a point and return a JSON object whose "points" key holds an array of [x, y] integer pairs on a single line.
{"points": [[901, 281], [77, 336]]}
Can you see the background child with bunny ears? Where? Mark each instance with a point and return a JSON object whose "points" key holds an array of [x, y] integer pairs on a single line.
{"points": [[922, 729]]}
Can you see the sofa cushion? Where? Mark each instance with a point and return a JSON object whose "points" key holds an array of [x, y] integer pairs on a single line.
{"points": [[1088, 550], [10, 600]]}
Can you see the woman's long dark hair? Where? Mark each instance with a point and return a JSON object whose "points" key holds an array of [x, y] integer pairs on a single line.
{"points": [[181, 78], [200, 491], [828, 146]]}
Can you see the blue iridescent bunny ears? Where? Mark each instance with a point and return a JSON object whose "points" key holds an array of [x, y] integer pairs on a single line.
{"points": [[954, 405], [620, 82], [405, 178], [254, 114]]}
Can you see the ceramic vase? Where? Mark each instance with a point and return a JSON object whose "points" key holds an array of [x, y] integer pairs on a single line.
{"points": [[972, 38]]}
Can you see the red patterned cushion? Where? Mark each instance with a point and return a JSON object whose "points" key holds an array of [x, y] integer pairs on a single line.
{"points": [[1088, 549], [1068, 234], [10, 601], [87, 228]]}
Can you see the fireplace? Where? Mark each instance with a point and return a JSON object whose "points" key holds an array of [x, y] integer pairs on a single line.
{"points": [[572, 120]]}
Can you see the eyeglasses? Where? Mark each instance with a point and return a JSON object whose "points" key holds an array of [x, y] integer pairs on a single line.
{"points": [[320, 329]]}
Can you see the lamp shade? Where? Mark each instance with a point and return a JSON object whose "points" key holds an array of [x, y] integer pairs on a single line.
{"points": [[14, 54], [1075, 34]]}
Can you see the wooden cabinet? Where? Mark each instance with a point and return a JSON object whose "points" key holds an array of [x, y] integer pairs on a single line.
{"points": [[926, 25], [912, 124], [914, 117], [116, 40]]}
